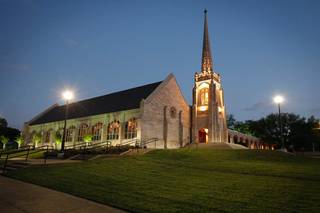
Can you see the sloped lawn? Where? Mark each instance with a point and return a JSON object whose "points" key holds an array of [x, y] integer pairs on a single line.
{"points": [[189, 180]]}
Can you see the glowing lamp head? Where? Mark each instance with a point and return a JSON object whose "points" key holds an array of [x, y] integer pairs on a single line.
{"points": [[67, 95], [278, 99]]}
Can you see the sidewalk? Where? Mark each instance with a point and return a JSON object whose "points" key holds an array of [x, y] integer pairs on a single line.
{"points": [[17, 196]]}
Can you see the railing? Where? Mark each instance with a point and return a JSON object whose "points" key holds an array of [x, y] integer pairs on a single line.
{"points": [[12, 151], [148, 141], [96, 145], [25, 151], [134, 142], [76, 145]]}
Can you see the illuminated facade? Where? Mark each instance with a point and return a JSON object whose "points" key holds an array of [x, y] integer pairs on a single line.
{"points": [[156, 110], [208, 109]]}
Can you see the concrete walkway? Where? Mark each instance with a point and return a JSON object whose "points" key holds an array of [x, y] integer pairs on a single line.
{"points": [[17, 196]]}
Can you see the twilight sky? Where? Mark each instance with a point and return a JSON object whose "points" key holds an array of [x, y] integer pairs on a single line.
{"points": [[261, 48]]}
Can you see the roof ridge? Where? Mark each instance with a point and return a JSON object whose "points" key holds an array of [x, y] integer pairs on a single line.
{"points": [[87, 99]]}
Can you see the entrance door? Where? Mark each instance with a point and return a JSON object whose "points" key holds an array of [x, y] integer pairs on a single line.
{"points": [[202, 136]]}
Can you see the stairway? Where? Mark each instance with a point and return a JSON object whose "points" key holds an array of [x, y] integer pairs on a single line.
{"points": [[13, 165]]}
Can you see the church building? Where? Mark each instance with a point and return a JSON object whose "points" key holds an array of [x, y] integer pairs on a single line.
{"points": [[157, 110]]}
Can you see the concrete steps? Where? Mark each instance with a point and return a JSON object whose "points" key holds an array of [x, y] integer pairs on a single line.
{"points": [[13, 165]]}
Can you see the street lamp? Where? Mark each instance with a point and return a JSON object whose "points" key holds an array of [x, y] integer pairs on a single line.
{"points": [[67, 96], [278, 100]]}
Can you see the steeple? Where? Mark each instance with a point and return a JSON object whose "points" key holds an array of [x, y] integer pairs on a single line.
{"points": [[206, 65]]}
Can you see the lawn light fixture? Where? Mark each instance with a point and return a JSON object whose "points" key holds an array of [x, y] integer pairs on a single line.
{"points": [[67, 96], [278, 99]]}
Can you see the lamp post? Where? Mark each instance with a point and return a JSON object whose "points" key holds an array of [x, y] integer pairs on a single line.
{"points": [[278, 100], [67, 96]]}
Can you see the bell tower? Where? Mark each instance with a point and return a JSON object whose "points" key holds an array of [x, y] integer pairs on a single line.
{"points": [[208, 109]]}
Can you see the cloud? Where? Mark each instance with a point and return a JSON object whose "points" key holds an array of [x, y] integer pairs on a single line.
{"points": [[257, 106], [70, 42]]}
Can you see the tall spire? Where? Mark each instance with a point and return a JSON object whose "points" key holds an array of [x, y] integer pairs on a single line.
{"points": [[206, 64]]}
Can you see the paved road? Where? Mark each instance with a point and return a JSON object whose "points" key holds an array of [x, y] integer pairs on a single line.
{"points": [[17, 197]]}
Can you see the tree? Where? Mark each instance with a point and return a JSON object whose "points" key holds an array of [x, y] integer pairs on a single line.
{"points": [[4, 140], [87, 138], [296, 131], [244, 127], [57, 139], [20, 140], [3, 122], [36, 138], [231, 121]]}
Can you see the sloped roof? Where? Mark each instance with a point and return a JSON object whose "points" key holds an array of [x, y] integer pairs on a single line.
{"points": [[113, 102]]}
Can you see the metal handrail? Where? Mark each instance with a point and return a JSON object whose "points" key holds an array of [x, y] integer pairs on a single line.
{"points": [[96, 145], [76, 145], [149, 140], [130, 142], [12, 151], [30, 147]]}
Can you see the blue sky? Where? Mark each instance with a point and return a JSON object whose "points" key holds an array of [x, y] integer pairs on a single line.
{"points": [[260, 48]]}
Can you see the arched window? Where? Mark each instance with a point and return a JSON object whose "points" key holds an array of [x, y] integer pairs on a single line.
{"points": [[113, 130], [96, 132], [203, 97], [83, 130], [70, 133], [131, 129]]}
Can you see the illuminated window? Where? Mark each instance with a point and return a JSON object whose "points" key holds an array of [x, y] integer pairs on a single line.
{"points": [[83, 130], [113, 130], [96, 132], [131, 129], [203, 97], [69, 134]]}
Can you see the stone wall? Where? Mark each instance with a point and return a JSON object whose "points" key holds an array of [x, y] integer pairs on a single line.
{"points": [[165, 115], [105, 119]]}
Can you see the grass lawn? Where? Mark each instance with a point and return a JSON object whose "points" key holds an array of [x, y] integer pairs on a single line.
{"points": [[189, 180]]}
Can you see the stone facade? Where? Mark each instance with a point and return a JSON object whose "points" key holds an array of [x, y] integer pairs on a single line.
{"points": [[166, 116], [208, 109], [163, 114]]}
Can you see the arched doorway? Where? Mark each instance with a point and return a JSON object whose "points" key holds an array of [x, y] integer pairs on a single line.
{"points": [[203, 137]]}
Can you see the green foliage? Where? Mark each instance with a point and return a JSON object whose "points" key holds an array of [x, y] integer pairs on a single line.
{"points": [[19, 140], [4, 139], [3, 122], [58, 137], [297, 131], [231, 121], [87, 138], [190, 180], [36, 138], [9, 132]]}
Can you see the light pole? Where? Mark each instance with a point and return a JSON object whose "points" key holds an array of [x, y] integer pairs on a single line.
{"points": [[278, 100], [67, 96]]}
